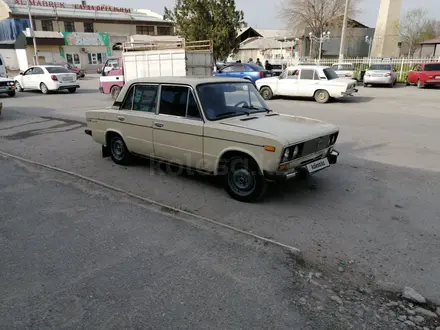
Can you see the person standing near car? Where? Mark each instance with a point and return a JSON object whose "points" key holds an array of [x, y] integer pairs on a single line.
{"points": [[268, 66], [259, 62]]}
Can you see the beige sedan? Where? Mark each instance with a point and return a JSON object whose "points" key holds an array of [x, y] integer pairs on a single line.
{"points": [[219, 126]]}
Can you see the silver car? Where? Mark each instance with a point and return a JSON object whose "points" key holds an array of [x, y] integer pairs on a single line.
{"points": [[380, 74], [344, 70]]}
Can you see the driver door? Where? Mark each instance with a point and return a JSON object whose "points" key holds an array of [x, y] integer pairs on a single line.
{"points": [[27, 79], [288, 83]]}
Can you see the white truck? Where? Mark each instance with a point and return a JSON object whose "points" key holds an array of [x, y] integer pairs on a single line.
{"points": [[158, 57]]}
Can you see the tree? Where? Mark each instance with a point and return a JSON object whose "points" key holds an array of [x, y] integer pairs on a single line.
{"points": [[216, 20], [315, 16], [415, 27]]}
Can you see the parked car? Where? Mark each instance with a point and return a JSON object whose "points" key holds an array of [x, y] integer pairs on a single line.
{"points": [[427, 74], [46, 78], [277, 69], [219, 126], [7, 86], [80, 73], [380, 74], [344, 70], [249, 71], [3, 72], [319, 82]]}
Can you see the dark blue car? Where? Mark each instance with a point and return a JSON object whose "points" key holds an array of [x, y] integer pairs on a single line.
{"points": [[249, 71]]}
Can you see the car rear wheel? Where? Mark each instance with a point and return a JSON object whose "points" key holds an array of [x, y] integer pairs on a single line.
{"points": [[44, 88], [114, 91], [11, 94], [118, 150], [266, 93], [322, 96], [419, 84], [71, 90], [243, 180], [18, 87]]}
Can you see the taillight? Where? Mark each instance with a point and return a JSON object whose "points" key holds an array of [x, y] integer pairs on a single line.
{"points": [[261, 74], [53, 77], [388, 75]]}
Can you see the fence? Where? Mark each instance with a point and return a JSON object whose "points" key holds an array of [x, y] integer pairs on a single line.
{"points": [[400, 65]]}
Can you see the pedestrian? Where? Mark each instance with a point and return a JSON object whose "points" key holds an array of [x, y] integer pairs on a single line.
{"points": [[259, 63], [268, 66], [250, 60]]}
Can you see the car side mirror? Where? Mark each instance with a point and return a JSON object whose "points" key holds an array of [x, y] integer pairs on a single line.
{"points": [[21, 73]]}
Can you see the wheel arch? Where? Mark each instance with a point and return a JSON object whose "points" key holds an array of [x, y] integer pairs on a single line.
{"points": [[228, 153], [112, 132]]}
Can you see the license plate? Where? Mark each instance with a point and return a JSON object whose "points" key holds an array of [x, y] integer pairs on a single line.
{"points": [[68, 79], [318, 165]]}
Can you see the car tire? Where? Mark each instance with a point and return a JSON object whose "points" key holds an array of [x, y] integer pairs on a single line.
{"points": [[266, 93], [243, 180], [11, 94], [18, 87], [419, 84], [114, 92], [365, 85], [71, 90], [118, 150], [322, 96], [44, 88]]}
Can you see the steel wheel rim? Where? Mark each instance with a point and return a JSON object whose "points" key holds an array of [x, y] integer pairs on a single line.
{"points": [[265, 93], [118, 149], [17, 86], [242, 181], [321, 96]]}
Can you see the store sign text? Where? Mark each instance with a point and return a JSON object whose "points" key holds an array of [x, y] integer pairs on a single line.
{"points": [[55, 4]]}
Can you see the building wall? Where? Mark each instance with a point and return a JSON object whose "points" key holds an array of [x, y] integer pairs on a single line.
{"points": [[10, 58], [429, 50]]}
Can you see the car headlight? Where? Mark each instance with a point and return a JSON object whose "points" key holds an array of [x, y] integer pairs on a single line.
{"points": [[10, 83], [286, 155], [332, 139], [295, 152], [291, 153]]}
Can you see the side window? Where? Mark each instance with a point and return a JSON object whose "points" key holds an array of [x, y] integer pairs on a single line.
{"points": [[38, 71], [316, 75], [141, 98], [173, 100], [192, 110], [307, 74], [239, 68], [292, 74], [29, 71], [113, 63], [227, 69]]}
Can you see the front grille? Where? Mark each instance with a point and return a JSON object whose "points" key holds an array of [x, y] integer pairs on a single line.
{"points": [[3, 83], [315, 145]]}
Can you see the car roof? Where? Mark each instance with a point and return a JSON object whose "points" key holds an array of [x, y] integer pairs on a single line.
{"points": [[191, 80]]}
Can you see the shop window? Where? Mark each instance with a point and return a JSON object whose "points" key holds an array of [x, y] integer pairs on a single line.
{"points": [[69, 27], [145, 29], [46, 25], [164, 30], [96, 58], [88, 27], [73, 58]]}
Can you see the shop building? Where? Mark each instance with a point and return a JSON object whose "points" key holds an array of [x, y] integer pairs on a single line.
{"points": [[81, 34]]}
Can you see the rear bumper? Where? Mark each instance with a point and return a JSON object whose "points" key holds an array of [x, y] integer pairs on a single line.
{"points": [[432, 82], [349, 93], [279, 177], [66, 87], [378, 80]]}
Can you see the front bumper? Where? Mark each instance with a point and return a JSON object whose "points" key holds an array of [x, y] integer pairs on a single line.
{"points": [[378, 80], [284, 176], [432, 82], [7, 89]]}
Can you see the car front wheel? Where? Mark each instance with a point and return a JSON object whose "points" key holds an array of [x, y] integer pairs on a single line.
{"points": [[118, 150], [419, 84], [18, 87], [11, 94], [243, 180], [114, 92], [322, 96], [266, 93]]}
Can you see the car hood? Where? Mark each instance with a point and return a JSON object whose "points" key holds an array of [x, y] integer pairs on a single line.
{"points": [[6, 79], [291, 129]]}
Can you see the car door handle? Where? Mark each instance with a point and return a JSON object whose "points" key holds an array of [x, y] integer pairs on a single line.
{"points": [[117, 78], [158, 124], [121, 118]]}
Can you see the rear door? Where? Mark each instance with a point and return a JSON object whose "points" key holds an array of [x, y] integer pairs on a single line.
{"points": [[178, 129], [37, 77], [308, 82]]}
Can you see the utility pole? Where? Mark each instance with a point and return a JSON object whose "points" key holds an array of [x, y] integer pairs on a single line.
{"points": [[344, 31], [33, 34]]}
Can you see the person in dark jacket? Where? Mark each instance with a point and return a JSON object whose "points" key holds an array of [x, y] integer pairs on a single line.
{"points": [[268, 66], [258, 62]]}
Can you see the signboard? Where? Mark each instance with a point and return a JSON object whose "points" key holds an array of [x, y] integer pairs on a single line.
{"points": [[55, 4], [85, 39]]}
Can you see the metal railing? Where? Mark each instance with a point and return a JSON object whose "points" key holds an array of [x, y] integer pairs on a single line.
{"points": [[201, 46]]}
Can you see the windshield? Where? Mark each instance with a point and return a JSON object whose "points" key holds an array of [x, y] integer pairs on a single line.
{"points": [[383, 67], [225, 100], [342, 67], [56, 69], [432, 67], [254, 66], [276, 67], [330, 74]]}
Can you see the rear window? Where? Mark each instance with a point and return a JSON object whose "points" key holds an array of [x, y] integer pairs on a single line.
{"points": [[254, 67], [342, 67], [330, 74], [432, 67], [381, 67], [57, 69]]}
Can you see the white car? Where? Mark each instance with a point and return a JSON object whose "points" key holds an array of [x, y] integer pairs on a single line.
{"points": [[344, 70], [46, 78], [319, 82]]}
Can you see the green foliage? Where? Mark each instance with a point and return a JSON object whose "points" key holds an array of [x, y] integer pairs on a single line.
{"points": [[216, 20]]}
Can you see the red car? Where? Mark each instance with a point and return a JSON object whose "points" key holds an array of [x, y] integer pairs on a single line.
{"points": [[426, 74], [79, 73]]}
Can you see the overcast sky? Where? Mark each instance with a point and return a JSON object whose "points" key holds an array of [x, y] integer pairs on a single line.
{"points": [[264, 13]]}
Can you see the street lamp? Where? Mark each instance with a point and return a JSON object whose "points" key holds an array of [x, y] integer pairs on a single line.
{"points": [[370, 41], [323, 37]]}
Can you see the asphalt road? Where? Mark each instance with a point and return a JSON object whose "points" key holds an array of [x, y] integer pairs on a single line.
{"points": [[377, 208], [75, 256]]}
